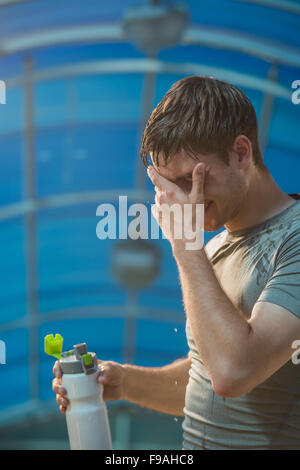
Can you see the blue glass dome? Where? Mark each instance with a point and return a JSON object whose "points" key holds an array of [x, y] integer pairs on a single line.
{"points": [[77, 96]]}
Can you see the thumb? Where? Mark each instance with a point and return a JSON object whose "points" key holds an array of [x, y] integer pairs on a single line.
{"points": [[102, 377]]}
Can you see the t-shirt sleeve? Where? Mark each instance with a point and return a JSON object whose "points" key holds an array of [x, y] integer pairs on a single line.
{"points": [[283, 287]]}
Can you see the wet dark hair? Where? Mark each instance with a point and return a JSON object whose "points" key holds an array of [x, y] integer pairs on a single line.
{"points": [[200, 115]]}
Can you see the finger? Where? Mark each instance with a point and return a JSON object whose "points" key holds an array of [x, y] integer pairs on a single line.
{"points": [[57, 388], [62, 409], [104, 374], [197, 191], [162, 183], [109, 373], [157, 199], [158, 192], [56, 383], [62, 402], [57, 369]]}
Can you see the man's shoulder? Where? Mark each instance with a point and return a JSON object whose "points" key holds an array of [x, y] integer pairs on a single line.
{"points": [[295, 195], [283, 226], [294, 213], [289, 230], [289, 220], [215, 242]]}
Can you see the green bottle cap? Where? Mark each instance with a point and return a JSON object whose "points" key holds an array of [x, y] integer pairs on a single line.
{"points": [[75, 361], [53, 345]]}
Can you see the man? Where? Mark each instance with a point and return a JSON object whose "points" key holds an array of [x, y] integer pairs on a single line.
{"points": [[239, 387]]}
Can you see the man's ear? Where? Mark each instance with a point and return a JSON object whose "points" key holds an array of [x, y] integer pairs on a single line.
{"points": [[242, 149]]}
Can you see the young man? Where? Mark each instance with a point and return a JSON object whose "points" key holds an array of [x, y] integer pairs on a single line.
{"points": [[239, 387]]}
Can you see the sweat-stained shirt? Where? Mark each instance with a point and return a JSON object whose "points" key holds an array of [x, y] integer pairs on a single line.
{"points": [[258, 264]]}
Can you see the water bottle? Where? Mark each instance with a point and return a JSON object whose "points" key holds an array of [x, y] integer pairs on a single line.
{"points": [[86, 415]]}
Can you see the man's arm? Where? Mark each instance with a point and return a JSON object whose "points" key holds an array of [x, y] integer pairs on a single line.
{"points": [[159, 388], [238, 353]]}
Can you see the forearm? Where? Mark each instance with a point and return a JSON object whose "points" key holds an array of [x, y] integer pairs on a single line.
{"points": [[220, 331], [159, 388]]}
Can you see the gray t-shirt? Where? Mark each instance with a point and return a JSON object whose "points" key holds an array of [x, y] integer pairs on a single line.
{"points": [[252, 265]]}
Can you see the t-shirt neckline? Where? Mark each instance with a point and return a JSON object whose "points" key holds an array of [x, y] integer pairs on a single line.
{"points": [[260, 225]]}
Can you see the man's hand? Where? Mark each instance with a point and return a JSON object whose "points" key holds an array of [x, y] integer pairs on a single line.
{"points": [[186, 209], [111, 376]]}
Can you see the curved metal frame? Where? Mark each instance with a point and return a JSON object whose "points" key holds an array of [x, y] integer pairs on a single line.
{"points": [[284, 5], [211, 37], [31, 205], [204, 36], [132, 66], [5, 3], [95, 311]]}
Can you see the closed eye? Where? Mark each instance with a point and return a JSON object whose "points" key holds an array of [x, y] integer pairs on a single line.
{"points": [[185, 184], [188, 177]]}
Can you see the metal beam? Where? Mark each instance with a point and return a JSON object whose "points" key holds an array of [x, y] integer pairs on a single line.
{"points": [[31, 232], [266, 111], [132, 66], [132, 310], [71, 199], [62, 35], [94, 311], [5, 3], [201, 36], [284, 5], [147, 107], [246, 44]]}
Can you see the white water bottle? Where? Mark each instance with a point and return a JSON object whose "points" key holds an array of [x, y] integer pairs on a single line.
{"points": [[86, 414]]}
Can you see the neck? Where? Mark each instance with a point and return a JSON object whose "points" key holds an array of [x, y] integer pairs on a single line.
{"points": [[263, 199]]}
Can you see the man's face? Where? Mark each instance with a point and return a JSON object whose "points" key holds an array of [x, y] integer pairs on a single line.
{"points": [[224, 186]]}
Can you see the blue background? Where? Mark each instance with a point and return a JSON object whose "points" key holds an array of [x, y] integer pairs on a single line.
{"points": [[86, 138]]}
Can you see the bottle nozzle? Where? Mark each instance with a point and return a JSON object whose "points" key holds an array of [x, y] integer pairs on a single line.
{"points": [[53, 345]]}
